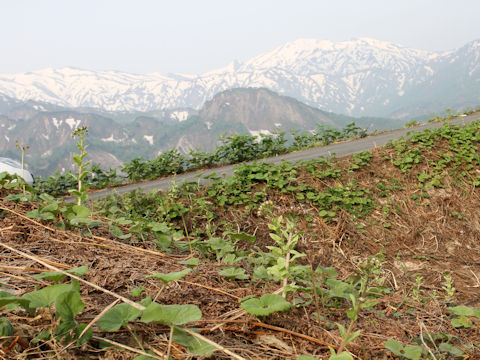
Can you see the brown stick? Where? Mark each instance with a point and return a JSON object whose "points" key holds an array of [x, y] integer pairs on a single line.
{"points": [[124, 299], [306, 337], [214, 344], [21, 268], [22, 278], [7, 228], [210, 288], [91, 323], [152, 252], [129, 348]]}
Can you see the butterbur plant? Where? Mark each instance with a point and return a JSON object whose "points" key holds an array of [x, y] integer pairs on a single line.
{"points": [[265, 305], [79, 159]]}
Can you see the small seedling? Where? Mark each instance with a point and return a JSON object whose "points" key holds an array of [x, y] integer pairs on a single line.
{"points": [[166, 278], [417, 288], [448, 286]]}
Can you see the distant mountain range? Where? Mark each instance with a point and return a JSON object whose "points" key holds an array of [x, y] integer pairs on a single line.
{"points": [[363, 77], [116, 138]]}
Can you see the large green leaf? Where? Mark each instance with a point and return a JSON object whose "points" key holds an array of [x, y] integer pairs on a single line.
{"points": [[192, 262], [6, 329], [7, 298], [232, 273], [118, 316], [461, 310], [173, 276], [46, 296], [452, 350], [171, 314], [145, 357], [266, 305], [462, 321], [394, 346], [81, 211], [413, 352], [344, 355], [85, 337], [68, 304], [242, 237], [193, 344], [57, 276]]}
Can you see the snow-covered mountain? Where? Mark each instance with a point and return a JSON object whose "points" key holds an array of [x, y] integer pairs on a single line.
{"points": [[362, 77]]}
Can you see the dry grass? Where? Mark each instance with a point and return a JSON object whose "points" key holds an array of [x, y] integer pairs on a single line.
{"points": [[424, 237]]}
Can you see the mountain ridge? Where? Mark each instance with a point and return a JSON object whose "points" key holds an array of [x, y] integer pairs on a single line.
{"points": [[356, 77], [242, 111]]}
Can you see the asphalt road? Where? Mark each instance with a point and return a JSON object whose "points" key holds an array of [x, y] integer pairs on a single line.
{"points": [[337, 150]]}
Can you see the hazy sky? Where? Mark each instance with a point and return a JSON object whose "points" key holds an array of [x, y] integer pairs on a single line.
{"points": [[195, 36]]}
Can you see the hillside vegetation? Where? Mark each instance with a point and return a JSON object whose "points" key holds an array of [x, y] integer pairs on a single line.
{"points": [[115, 142], [373, 256]]}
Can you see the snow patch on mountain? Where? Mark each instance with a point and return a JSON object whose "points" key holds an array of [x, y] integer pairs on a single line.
{"points": [[179, 115], [56, 122], [73, 123], [257, 133], [111, 138], [149, 138]]}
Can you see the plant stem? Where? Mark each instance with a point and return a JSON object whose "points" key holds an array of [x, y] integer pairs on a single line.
{"points": [[187, 235], [287, 264], [344, 339], [159, 292], [135, 337], [170, 342], [317, 307], [80, 168]]}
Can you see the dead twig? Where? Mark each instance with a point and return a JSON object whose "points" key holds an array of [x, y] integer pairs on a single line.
{"points": [[129, 348], [306, 337], [124, 299], [214, 344]]}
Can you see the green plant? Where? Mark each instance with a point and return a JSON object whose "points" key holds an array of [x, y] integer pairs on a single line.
{"points": [[361, 159], [233, 273], [168, 163], [285, 253], [370, 271], [465, 316], [166, 278], [411, 124], [417, 288], [68, 304], [174, 316], [79, 159], [50, 209], [265, 305], [448, 286], [413, 352]]}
